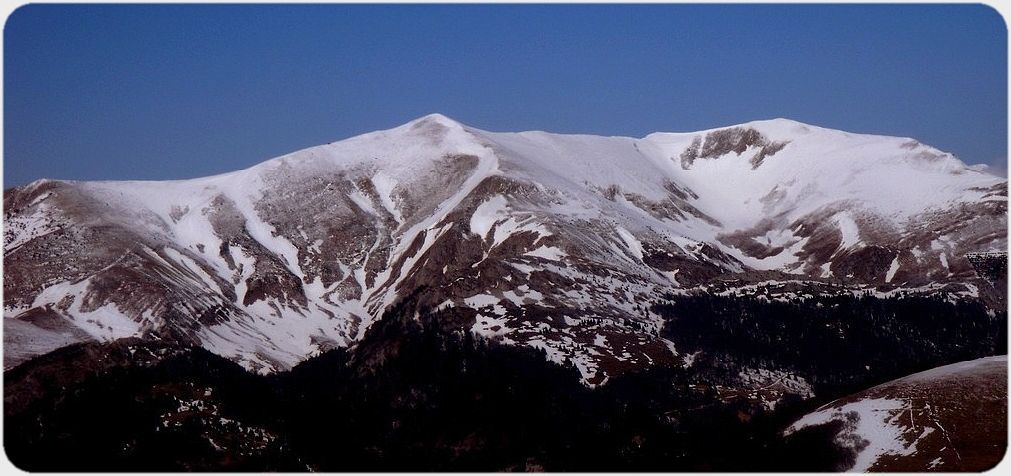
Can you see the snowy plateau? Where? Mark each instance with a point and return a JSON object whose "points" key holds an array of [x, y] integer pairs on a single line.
{"points": [[547, 241]]}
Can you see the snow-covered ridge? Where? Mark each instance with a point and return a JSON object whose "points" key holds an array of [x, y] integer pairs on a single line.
{"points": [[282, 260], [893, 175]]}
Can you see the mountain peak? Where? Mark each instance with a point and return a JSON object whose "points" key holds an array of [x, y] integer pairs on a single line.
{"points": [[770, 127], [779, 122], [778, 126], [435, 118]]}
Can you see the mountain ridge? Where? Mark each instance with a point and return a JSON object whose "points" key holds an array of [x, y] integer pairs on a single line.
{"points": [[440, 117], [550, 241]]}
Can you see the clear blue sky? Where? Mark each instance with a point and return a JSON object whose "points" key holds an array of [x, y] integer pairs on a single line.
{"points": [[165, 92]]}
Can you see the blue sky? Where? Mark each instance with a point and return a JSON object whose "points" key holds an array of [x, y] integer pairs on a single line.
{"points": [[168, 92]]}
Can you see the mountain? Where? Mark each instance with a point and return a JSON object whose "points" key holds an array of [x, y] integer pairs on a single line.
{"points": [[951, 418], [554, 242]]}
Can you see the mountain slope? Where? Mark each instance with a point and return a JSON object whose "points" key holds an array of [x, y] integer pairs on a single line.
{"points": [[556, 242], [950, 418], [417, 394]]}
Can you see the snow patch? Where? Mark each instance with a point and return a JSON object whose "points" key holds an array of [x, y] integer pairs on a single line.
{"points": [[384, 187], [547, 252], [849, 229], [486, 214], [892, 269], [631, 242], [874, 421]]}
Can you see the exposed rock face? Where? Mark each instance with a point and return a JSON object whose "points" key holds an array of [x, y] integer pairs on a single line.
{"points": [[736, 140], [547, 241]]}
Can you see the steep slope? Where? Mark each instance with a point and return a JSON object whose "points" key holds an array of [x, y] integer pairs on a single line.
{"points": [[557, 242]]}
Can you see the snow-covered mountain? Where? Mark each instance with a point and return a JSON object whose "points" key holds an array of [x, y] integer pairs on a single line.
{"points": [[552, 241]]}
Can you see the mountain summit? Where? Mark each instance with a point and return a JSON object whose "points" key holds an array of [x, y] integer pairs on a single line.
{"points": [[556, 242]]}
